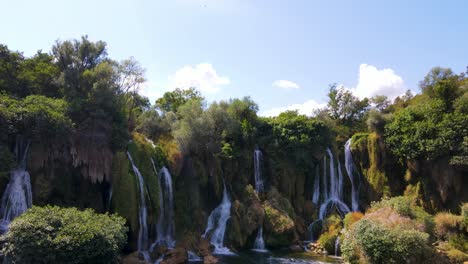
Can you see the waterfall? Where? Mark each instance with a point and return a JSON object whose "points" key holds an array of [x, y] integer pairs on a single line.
{"points": [[258, 158], [259, 244], [316, 193], [332, 194], [109, 198], [192, 257], [17, 197], [165, 225], [353, 173], [142, 211], [334, 197], [217, 224], [337, 245], [324, 180]]}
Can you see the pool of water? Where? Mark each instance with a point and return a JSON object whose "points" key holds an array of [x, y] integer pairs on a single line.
{"points": [[275, 257]]}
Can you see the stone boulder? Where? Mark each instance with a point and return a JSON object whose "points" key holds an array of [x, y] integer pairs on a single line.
{"points": [[210, 259], [178, 255]]}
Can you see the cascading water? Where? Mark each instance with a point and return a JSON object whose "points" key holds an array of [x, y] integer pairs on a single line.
{"points": [[334, 197], [316, 193], [142, 212], [165, 225], [337, 245], [332, 194], [258, 158], [353, 173], [259, 244], [217, 225], [17, 197]]}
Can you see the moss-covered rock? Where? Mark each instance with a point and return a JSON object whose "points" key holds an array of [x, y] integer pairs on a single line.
{"points": [[279, 221], [246, 217]]}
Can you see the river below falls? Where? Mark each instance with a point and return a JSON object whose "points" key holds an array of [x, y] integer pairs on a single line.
{"points": [[274, 257]]}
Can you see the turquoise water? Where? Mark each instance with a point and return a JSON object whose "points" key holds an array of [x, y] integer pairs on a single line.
{"points": [[277, 257]]}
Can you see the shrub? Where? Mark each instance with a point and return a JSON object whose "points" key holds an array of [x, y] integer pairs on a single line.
{"points": [[464, 215], [64, 235], [370, 241], [459, 241], [352, 218], [404, 206], [457, 256], [446, 223], [327, 240]]}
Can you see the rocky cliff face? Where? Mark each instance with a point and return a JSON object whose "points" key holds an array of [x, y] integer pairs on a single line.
{"points": [[78, 172], [434, 184]]}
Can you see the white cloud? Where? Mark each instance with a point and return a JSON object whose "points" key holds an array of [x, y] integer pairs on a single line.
{"points": [[202, 76], [306, 108], [285, 84], [373, 81]]}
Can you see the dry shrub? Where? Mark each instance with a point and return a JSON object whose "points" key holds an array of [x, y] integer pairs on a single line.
{"points": [[446, 223]]}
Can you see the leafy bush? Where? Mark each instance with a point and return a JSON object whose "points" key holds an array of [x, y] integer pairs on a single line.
{"points": [[370, 241], [352, 218], [64, 235], [446, 223], [404, 206], [457, 256], [459, 241], [327, 240]]}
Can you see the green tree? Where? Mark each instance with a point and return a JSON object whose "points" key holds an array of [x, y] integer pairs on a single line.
{"points": [[344, 107], [171, 101], [441, 83]]}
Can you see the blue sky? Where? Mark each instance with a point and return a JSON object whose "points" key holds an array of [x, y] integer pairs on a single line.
{"points": [[281, 53]]}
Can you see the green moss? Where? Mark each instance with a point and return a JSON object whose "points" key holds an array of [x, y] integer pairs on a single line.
{"points": [[279, 227], [125, 193], [143, 152], [359, 141], [375, 174]]}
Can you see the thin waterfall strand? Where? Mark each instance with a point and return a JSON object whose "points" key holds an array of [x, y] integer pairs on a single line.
{"points": [[316, 193], [353, 175], [258, 158], [142, 212], [259, 244], [165, 225]]}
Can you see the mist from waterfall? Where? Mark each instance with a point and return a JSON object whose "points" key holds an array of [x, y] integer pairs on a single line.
{"points": [[216, 226], [353, 175], [165, 226], [17, 197], [142, 242]]}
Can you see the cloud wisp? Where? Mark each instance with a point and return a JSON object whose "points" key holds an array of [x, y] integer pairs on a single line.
{"points": [[202, 76], [306, 108], [285, 84]]}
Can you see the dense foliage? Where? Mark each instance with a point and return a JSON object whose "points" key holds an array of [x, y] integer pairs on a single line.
{"points": [[435, 123], [392, 231], [64, 235]]}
